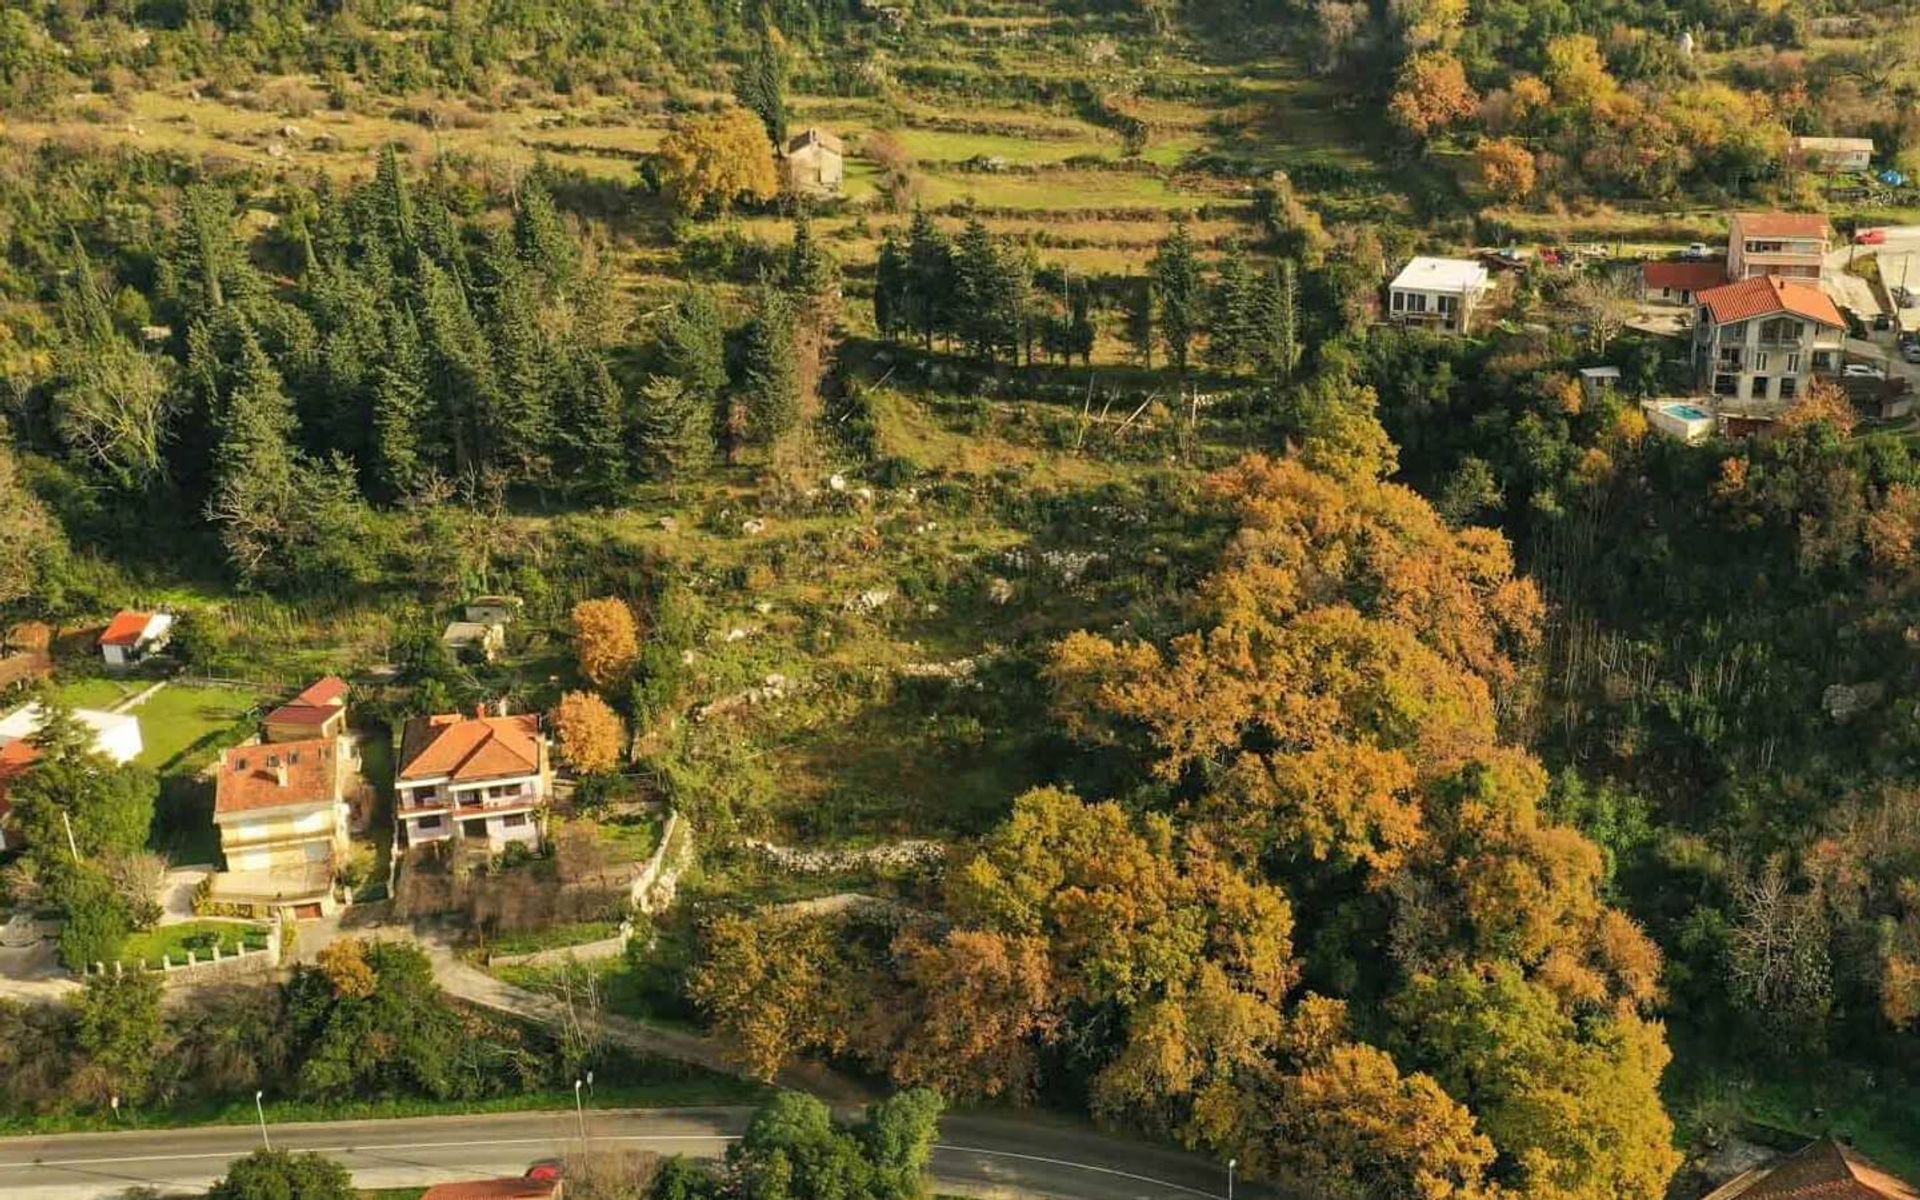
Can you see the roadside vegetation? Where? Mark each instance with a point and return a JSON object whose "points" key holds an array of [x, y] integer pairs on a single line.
{"points": [[1097, 664]]}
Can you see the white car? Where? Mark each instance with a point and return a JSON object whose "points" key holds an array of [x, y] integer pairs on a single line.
{"points": [[1694, 252], [1862, 371]]}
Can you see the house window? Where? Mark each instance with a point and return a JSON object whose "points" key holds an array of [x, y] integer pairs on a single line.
{"points": [[1780, 331], [433, 822], [514, 820], [1760, 361], [1444, 304], [1726, 385], [1793, 364], [1789, 387], [1759, 391]]}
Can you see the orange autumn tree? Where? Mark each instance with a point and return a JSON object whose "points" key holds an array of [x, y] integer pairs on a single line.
{"points": [[592, 736], [1432, 95], [1335, 716], [606, 640]]}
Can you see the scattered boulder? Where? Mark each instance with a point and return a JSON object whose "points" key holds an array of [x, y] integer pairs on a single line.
{"points": [[1844, 701]]}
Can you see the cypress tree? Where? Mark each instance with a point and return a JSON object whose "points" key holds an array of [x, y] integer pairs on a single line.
{"points": [[761, 87], [977, 291], [1277, 320], [892, 289], [809, 271], [1176, 285], [930, 277], [771, 384], [675, 430]]}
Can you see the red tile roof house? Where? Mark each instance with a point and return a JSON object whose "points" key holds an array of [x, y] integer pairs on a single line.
{"points": [[16, 758], [1679, 282], [132, 636], [1759, 343], [320, 711], [1790, 245], [1825, 1170], [497, 1189], [282, 813], [473, 781]]}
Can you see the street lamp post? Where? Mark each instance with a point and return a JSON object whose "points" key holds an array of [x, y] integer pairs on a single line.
{"points": [[589, 1085], [262, 1110], [580, 1113], [1231, 1164]]}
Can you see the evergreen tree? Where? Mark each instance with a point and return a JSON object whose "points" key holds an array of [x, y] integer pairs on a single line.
{"points": [[400, 409], [392, 207], [675, 429], [930, 277], [809, 270], [1232, 317], [977, 289], [592, 421], [540, 238], [693, 345], [892, 288], [1080, 331], [253, 459], [461, 380], [1176, 287], [1276, 338], [771, 382], [204, 266], [1139, 320], [520, 421], [761, 87]]}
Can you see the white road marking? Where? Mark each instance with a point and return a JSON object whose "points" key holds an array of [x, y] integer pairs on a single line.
{"points": [[1061, 1162]]}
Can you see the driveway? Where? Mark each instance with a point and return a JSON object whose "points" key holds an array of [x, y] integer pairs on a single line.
{"points": [[176, 893], [33, 973]]}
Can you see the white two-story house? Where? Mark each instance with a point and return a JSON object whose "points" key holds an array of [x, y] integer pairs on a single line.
{"points": [[1440, 293], [1760, 342], [478, 780], [1790, 245]]}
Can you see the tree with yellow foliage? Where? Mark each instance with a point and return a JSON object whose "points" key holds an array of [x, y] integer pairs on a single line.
{"points": [[606, 640], [1506, 169], [1431, 95], [592, 736], [715, 162]]}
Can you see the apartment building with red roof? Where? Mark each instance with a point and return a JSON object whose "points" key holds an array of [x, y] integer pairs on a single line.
{"points": [[320, 711], [474, 781], [282, 812], [1759, 344], [1789, 245]]}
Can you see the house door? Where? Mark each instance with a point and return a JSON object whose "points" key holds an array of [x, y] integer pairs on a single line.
{"points": [[474, 829], [306, 912]]}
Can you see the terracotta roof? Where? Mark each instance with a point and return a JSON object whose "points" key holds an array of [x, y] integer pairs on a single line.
{"points": [[1684, 276], [315, 706], [1765, 295], [277, 775], [822, 137], [1782, 225], [1824, 1170], [125, 628], [461, 748], [15, 759], [493, 1189]]}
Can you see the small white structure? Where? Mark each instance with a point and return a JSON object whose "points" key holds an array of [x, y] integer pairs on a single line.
{"points": [[132, 636], [115, 735], [1596, 382], [493, 610], [1832, 155], [1438, 292], [1679, 419], [482, 637]]}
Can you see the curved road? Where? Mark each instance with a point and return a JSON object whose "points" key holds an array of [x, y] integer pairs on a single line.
{"points": [[978, 1155]]}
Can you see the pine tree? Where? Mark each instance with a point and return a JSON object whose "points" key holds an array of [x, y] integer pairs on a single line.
{"points": [[930, 277], [1176, 285], [693, 345], [809, 270], [1080, 331], [540, 238], [253, 459], [204, 266], [1139, 320], [461, 378], [1276, 347], [976, 290], [400, 409], [592, 422], [771, 384], [761, 87], [1231, 320], [392, 206], [675, 430], [520, 420], [892, 288]]}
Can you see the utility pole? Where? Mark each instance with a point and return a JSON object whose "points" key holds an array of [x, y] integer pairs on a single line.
{"points": [[72, 846], [1231, 1164], [580, 1113]]}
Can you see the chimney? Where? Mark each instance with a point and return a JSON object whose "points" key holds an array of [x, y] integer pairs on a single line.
{"points": [[501, 706], [280, 774]]}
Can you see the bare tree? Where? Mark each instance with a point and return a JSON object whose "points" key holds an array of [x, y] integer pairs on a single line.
{"points": [[1778, 962]]}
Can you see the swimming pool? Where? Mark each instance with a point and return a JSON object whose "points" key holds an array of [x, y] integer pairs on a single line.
{"points": [[1688, 412]]}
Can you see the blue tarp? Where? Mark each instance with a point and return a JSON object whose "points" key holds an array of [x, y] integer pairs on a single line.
{"points": [[1893, 178]]}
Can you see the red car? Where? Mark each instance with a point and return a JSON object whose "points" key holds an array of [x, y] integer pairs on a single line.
{"points": [[1870, 237]]}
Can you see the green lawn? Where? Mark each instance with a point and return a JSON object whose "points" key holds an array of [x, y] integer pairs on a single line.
{"points": [[554, 937], [98, 693], [175, 940], [182, 726]]}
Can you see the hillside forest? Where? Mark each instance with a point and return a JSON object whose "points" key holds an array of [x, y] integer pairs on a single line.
{"points": [[1365, 754]]}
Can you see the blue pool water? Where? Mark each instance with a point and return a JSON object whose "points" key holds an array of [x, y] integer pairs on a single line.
{"points": [[1687, 412]]}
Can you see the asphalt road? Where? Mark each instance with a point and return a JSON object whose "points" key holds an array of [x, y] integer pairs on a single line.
{"points": [[977, 1155]]}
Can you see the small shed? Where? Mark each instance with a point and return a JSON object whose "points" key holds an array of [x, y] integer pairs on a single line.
{"points": [[481, 638], [1596, 382], [493, 610], [816, 163], [132, 636]]}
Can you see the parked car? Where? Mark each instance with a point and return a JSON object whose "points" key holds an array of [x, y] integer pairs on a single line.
{"points": [[1870, 237], [1905, 297], [1882, 322], [1862, 371], [1911, 352], [1695, 252]]}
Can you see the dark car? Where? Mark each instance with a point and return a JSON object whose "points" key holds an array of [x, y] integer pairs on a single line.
{"points": [[1883, 322]]}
